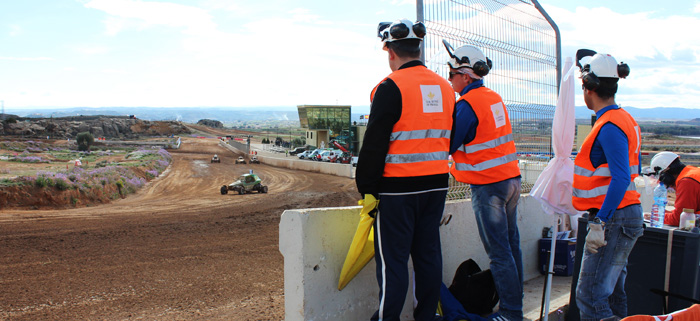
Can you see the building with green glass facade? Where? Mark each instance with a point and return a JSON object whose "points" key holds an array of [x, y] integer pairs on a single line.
{"points": [[326, 123]]}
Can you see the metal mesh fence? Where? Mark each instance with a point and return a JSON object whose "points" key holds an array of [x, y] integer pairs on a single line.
{"points": [[523, 47]]}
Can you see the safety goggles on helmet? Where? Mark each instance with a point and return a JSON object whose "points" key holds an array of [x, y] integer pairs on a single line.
{"points": [[400, 30], [469, 57], [599, 66], [661, 161]]}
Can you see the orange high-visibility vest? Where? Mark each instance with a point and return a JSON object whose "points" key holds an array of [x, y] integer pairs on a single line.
{"points": [[491, 157], [690, 172], [420, 141], [690, 314], [591, 183]]}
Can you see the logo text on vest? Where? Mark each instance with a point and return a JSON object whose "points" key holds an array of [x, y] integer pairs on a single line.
{"points": [[499, 116], [432, 98]]}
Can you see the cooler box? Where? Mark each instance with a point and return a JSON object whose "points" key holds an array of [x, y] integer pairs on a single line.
{"points": [[646, 270], [646, 267], [564, 255]]}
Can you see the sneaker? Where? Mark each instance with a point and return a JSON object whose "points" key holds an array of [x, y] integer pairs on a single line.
{"points": [[497, 317]]}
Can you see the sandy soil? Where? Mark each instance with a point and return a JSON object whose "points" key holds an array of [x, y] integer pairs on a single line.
{"points": [[176, 250]]}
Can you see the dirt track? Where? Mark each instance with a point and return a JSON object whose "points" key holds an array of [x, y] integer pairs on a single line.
{"points": [[176, 250]]}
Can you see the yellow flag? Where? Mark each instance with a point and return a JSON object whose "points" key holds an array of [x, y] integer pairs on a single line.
{"points": [[362, 247]]}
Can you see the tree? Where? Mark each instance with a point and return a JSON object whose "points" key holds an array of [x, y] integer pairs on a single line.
{"points": [[85, 140]]}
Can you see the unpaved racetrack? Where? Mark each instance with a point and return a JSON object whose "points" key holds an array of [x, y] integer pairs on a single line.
{"points": [[176, 250]]}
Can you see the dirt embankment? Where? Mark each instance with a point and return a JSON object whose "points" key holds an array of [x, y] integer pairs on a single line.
{"points": [[33, 197], [175, 250]]}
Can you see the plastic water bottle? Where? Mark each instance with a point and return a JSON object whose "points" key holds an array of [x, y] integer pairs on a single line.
{"points": [[658, 210]]}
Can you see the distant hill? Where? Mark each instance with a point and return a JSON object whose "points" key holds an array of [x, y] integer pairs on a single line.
{"points": [[185, 114], [288, 113], [659, 113]]}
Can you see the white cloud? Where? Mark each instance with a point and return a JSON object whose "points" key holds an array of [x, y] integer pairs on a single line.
{"points": [[142, 14], [26, 58], [91, 50], [403, 2], [115, 71], [15, 30], [662, 52]]}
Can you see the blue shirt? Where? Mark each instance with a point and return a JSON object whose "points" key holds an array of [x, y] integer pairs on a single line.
{"points": [[465, 122], [611, 146]]}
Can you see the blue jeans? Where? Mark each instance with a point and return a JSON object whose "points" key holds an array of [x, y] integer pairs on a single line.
{"points": [[600, 292], [495, 207]]}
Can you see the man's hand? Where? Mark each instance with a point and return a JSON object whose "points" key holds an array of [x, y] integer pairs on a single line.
{"points": [[369, 205], [596, 237]]}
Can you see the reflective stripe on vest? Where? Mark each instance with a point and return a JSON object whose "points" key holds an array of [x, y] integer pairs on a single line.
{"points": [[486, 145], [591, 184], [599, 191], [419, 144], [414, 158], [487, 164], [420, 134], [491, 156], [600, 171]]}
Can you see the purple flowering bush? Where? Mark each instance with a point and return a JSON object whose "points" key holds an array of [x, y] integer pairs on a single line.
{"points": [[28, 159], [126, 180]]}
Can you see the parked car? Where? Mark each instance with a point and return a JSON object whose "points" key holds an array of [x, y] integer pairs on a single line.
{"points": [[324, 157], [254, 160], [328, 155], [240, 160], [297, 150], [353, 161], [304, 154], [314, 154]]}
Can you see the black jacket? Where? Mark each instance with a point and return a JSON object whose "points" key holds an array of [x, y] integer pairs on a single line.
{"points": [[385, 111]]}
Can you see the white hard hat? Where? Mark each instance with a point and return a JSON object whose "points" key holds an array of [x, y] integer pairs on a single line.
{"points": [[401, 30], [662, 160], [469, 57], [605, 66]]}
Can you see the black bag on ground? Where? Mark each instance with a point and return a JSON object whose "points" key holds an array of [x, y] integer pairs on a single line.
{"points": [[474, 288]]}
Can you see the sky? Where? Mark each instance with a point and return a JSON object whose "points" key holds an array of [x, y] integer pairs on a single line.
{"points": [[243, 53]]}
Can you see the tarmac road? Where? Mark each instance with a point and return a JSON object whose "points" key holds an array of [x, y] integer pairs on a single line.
{"points": [[176, 250]]}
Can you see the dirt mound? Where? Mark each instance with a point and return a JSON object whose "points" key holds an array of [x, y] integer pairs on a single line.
{"points": [[34, 197]]}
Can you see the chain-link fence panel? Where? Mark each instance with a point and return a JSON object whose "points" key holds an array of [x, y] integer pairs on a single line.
{"points": [[523, 44]]}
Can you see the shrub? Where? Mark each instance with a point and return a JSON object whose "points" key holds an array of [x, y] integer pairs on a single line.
{"points": [[41, 181], [85, 140], [61, 184]]}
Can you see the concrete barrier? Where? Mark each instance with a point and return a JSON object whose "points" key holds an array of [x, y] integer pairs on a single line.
{"points": [[314, 243], [344, 170], [292, 162]]}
